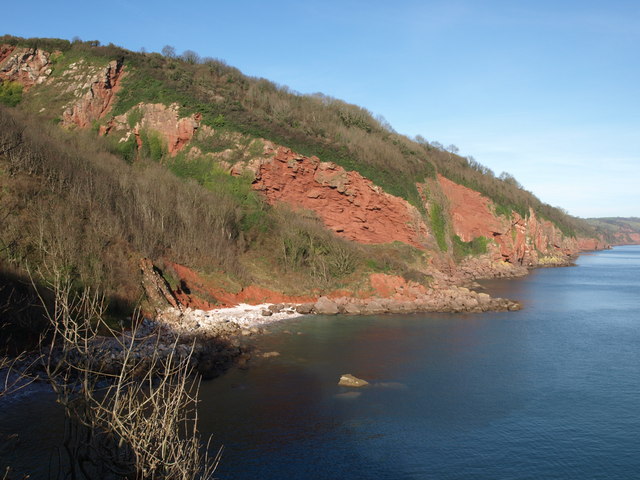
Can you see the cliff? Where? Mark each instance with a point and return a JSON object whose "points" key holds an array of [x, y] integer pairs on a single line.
{"points": [[398, 211], [618, 230]]}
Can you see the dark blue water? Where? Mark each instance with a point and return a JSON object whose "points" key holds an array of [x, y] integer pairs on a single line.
{"points": [[550, 392]]}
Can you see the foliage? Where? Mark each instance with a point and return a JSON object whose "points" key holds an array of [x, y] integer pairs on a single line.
{"points": [[476, 246], [305, 245], [134, 117], [153, 145], [438, 225], [70, 202], [10, 93], [127, 149]]}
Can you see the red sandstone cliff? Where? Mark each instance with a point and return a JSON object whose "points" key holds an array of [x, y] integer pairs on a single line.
{"points": [[163, 120], [98, 100], [347, 203], [524, 241]]}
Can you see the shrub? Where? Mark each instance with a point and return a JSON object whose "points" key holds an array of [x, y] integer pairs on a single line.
{"points": [[476, 246], [10, 93], [438, 225]]}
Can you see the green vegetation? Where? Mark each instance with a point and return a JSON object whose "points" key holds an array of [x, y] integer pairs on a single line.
{"points": [[438, 225], [153, 145], [10, 93], [127, 150], [213, 178], [476, 246], [67, 201], [306, 244]]}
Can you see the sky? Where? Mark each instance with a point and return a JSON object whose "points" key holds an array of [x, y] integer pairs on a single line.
{"points": [[547, 90]]}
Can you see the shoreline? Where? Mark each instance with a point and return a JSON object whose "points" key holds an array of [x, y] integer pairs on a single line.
{"points": [[223, 338]]}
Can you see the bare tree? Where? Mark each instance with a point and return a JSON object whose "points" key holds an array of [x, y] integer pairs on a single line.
{"points": [[169, 51], [130, 415], [190, 56]]}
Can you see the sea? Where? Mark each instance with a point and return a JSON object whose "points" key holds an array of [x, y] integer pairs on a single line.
{"points": [[548, 392]]}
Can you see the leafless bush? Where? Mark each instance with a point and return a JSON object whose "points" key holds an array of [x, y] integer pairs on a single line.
{"points": [[137, 420]]}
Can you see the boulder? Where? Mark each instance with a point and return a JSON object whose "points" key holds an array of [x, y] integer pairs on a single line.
{"points": [[324, 306], [352, 309], [304, 308], [484, 299], [401, 307], [373, 307], [348, 380], [276, 307]]}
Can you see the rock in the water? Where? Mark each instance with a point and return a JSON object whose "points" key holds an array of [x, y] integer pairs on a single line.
{"points": [[348, 380], [267, 313], [270, 354]]}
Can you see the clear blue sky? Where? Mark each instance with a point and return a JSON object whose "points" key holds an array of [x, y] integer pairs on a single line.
{"points": [[546, 90]]}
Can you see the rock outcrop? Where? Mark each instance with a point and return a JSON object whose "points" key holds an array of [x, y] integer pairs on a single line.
{"points": [[96, 95], [175, 131], [522, 241], [28, 66], [349, 204], [156, 288]]}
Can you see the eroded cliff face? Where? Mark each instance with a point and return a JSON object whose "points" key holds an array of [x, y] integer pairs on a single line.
{"points": [[175, 131], [350, 205], [95, 93], [521, 241], [28, 66]]}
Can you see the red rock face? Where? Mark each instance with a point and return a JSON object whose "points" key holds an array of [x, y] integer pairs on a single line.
{"points": [[347, 203], [176, 131], [5, 51], [97, 102], [158, 118], [471, 213], [627, 237], [518, 240], [393, 286], [585, 244], [27, 66]]}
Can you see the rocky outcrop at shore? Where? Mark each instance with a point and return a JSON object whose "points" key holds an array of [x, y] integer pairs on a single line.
{"points": [[454, 299]]}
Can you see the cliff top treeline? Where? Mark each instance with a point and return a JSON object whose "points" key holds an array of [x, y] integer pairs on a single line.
{"points": [[313, 124]]}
